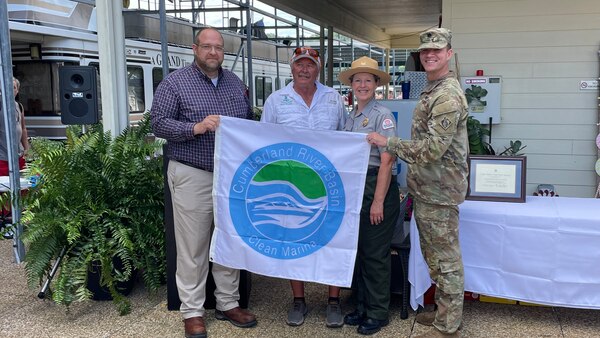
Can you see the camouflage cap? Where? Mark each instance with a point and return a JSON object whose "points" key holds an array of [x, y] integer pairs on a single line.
{"points": [[435, 38]]}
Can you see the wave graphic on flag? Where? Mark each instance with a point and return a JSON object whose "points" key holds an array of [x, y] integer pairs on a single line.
{"points": [[275, 213], [286, 195]]}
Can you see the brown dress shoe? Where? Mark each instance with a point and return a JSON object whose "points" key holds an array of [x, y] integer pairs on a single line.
{"points": [[237, 316], [194, 327]]}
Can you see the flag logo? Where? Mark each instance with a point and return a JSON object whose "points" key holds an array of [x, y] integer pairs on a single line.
{"points": [[286, 200]]}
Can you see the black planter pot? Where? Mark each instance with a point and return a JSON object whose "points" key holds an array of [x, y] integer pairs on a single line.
{"points": [[102, 293]]}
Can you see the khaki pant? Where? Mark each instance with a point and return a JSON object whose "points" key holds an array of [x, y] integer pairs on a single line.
{"points": [[191, 194], [438, 234]]}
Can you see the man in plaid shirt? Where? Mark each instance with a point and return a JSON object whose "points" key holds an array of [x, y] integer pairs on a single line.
{"points": [[186, 109]]}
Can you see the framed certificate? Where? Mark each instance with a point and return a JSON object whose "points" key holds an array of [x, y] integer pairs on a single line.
{"points": [[497, 178]]}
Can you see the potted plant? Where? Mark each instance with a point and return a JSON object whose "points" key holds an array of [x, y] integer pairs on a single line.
{"points": [[477, 134], [101, 200], [475, 96]]}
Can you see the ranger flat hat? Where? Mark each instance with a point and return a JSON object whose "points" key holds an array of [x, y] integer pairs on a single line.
{"points": [[435, 38], [364, 65]]}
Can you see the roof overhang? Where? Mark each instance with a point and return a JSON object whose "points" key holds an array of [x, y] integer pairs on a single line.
{"points": [[382, 23]]}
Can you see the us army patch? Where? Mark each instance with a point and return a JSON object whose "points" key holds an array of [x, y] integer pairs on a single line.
{"points": [[446, 123], [387, 124]]}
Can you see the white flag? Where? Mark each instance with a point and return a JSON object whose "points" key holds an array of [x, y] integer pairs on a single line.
{"points": [[287, 200]]}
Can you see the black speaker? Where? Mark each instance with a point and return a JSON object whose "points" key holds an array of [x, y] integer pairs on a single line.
{"points": [[78, 94]]}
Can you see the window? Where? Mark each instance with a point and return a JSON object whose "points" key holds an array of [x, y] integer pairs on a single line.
{"points": [[135, 89], [39, 92], [263, 87], [157, 76]]}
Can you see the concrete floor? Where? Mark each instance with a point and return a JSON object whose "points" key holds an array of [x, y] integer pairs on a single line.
{"points": [[22, 314]]}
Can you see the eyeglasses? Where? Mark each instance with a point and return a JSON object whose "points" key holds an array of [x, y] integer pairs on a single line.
{"points": [[306, 50], [208, 48]]}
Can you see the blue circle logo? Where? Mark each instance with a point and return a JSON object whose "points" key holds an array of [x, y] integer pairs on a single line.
{"points": [[286, 200]]}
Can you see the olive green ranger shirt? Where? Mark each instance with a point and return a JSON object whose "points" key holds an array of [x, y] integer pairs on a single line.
{"points": [[437, 153]]}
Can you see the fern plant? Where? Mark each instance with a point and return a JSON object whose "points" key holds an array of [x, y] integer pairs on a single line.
{"points": [[102, 200]]}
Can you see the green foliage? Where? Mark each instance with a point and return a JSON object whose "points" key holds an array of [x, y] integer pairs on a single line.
{"points": [[102, 199], [477, 134], [514, 149], [478, 146], [257, 113], [476, 93]]}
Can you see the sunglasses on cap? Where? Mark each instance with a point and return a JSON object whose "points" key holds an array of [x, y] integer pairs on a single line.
{"points": [[306, 50]]}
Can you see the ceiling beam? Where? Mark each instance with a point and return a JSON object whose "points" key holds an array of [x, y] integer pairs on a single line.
{"points": [[328, 13], [405, 41]]}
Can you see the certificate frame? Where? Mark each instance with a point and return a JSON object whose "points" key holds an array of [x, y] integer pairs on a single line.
{"points": [[497, 178]]}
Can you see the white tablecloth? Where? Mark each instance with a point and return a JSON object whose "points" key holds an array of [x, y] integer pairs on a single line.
{"points": [[545, 251]]}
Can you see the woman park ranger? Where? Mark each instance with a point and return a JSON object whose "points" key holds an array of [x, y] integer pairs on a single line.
{"points": [[381, 200]]}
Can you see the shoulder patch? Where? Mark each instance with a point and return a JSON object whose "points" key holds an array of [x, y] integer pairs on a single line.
{"points": [[387, 124], [446, 123]]}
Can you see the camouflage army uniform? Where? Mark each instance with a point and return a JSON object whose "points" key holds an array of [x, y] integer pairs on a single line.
{"points": [[372, 270], [437, 179]]}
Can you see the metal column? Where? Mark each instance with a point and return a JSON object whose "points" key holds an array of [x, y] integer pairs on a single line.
{"points": [[330, 56], [322, 52], [164, 47], [249, 51], [8, 126]]}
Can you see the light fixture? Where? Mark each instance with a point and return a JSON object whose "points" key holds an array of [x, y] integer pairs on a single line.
{"points": [[35, 51]]}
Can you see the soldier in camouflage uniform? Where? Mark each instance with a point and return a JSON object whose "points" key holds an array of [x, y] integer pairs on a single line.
{"points": [[437, 178]]}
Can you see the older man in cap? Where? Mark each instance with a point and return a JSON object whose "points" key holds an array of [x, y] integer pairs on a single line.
{"points": [[437, 178], [306, 103]]}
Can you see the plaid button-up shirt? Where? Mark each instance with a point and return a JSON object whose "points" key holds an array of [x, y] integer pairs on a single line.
{"points": [[186, 97]]}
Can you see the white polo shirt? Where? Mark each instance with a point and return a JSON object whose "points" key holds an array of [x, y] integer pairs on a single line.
{"points": [[287, 107]]}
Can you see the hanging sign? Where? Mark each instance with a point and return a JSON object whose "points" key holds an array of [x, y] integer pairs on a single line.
{"points": [[483, 95], [588, 85]]}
